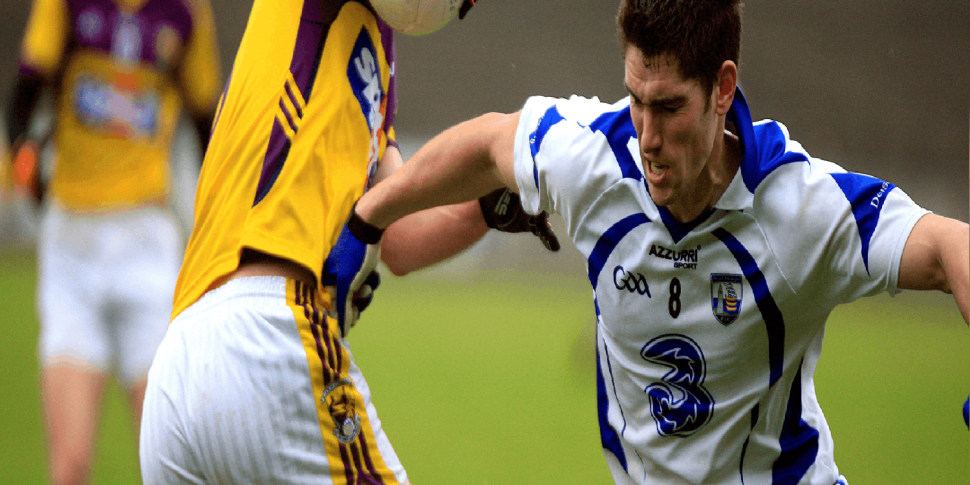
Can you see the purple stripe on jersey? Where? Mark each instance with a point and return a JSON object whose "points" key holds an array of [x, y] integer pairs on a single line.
{"points": [[276, 152], [310, 40], [289, 118], [390, 54], [294, 100]]}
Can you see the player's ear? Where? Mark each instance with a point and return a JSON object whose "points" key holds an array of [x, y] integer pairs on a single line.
{"points": [[727, 81]]}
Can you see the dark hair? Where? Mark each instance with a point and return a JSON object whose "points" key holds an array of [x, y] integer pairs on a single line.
{"points": [[699, 34]]}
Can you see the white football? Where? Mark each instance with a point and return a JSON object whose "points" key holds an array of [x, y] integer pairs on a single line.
{"points": [[416, 17]]}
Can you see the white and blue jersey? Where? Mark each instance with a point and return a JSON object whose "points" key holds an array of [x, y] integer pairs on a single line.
{"points": [[709, 332]]}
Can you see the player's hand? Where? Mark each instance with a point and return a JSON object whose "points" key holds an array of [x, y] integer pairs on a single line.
{"points": [[503, 211], [25, 170], [349, 270], [465, 7]]}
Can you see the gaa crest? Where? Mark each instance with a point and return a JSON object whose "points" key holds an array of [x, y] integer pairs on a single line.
{"points": [[726, 293], [340, 397]]}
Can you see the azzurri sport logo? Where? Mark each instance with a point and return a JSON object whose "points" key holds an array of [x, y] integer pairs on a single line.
{"points": [[631, 281], [679, 403]]}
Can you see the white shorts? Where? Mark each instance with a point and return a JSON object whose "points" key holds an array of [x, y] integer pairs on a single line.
{"points": [[105, 286], [253, 385]]}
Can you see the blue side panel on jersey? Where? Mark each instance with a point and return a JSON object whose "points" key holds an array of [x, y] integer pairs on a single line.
{"points": [[546, 122], [866, 195], [774, 321], [617, 127], [608, 241], [608, 435], [799, 441], [764, 145]]}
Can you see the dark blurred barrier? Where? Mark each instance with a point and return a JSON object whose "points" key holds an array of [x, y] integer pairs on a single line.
{"points": [[879, 88]]}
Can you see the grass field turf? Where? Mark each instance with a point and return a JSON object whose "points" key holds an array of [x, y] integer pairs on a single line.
{"points": [[490, 380]]}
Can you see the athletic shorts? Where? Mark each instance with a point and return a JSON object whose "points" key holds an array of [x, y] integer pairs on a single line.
{"points": [[105, 285], [252, 384]]}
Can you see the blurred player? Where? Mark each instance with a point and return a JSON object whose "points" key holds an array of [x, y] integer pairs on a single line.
{"points": [[109, 249], [715, 245], [254, 382]]}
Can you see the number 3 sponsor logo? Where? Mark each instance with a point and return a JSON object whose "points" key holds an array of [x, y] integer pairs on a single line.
{"points": [[679, 403], [630, 281]]}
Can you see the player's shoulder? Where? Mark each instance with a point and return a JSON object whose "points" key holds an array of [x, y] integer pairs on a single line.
{"points": [[577, 109], [783, 177]]}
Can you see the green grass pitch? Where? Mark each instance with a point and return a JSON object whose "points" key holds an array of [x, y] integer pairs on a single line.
{"points": [[491, 381]]}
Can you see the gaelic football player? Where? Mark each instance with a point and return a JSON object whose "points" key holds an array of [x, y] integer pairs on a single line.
{"points": [[716, 247], [122, 71]]}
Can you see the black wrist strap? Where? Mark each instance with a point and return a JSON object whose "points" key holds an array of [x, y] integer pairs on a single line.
{"points": [[485, 203], [364, 231]]}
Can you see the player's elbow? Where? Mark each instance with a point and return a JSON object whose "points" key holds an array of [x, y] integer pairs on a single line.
{"points": [[398, 263]]}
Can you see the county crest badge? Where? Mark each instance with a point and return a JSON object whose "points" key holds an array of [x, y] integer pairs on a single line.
{"points": [[726, 292], [340, 397]]}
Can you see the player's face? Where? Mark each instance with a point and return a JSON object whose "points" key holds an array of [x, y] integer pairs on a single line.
{"points": [[677, 127]]}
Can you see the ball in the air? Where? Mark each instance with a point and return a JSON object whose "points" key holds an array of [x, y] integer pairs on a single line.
{"points": [[416, 17]]}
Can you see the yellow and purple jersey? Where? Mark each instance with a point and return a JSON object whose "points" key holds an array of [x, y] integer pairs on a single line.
{"points": [[123, 69], [304, 119]]}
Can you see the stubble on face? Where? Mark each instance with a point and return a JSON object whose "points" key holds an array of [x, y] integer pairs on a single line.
{"points": [[676, 129]]}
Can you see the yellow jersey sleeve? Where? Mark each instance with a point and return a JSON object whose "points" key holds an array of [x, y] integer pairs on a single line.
{"points": [[46, 37], [199, 74]]}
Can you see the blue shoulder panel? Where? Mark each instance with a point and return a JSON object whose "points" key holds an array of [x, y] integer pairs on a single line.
{"points": [[617, 127], [547, 121], [866, 195], [764, 145]]}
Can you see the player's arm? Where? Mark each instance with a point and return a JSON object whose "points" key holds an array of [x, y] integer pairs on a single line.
{"points": [[433, 235], [937, 257], [199, 73], [427, 237], [461, 164], [42, 52]]}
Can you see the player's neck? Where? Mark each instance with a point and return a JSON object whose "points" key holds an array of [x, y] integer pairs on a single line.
{"points": [[712, 182]]}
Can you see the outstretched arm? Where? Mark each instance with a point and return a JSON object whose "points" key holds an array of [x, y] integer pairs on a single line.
{"points": [[427, 237], [461, 164], [937, 257]]}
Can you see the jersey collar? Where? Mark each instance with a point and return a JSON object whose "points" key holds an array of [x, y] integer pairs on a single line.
{"points": [[737, 196]]}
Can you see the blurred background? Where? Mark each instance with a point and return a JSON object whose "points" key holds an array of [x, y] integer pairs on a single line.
{"points": [[483, 366]]}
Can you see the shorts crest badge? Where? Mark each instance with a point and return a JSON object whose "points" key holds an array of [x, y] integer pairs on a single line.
{"points": [[726, 292], [340, 397]]}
